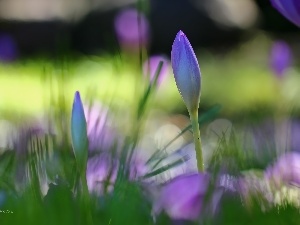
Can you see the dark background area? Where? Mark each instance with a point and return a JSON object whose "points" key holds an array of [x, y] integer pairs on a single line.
{"points": [[94, 33]]}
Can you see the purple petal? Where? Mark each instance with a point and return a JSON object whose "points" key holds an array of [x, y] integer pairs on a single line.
{"points": [[132, 28], [101, 174], [151, 65], [182, 198], [280, 58], [101, 136], [289, 9], [102, 170], [286, 170]]}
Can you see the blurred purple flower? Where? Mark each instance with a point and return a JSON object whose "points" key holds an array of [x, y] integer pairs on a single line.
{"points": [[280, 58], [228, 182], [29, 138], [132, 29], [290, 9], [183, 197], [260, 139], [295, 132], [102, 171], [8, 48], [286, 170], [101, 135], [252, 188], [151, 65], [186, 71], [101, 174]]}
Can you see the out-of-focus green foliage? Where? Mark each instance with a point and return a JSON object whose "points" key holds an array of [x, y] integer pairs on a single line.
{"points": [[239, 80]]}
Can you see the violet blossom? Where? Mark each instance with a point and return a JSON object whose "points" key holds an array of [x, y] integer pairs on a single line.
{"points": [[150, 68], [132, 29], [280, 58], [186, 71], [286, 170], [290, 9], [102, 170], [183, 197], [101, 135]]}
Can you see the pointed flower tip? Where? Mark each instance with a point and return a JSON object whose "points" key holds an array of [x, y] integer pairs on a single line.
{"points": [[77, 98], [186, 71], [77, 94], [180, 35]]}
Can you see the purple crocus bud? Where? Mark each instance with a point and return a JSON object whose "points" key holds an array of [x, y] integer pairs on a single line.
{"points": [[286, 170], [8, 49], [183, 197], [280, 58], [79, 133], [290, 9], [132, 29], [151, 65], [186, 71]]}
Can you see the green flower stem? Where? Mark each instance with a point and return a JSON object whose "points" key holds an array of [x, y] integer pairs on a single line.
{"points": [[86, 198], [197, 140]]}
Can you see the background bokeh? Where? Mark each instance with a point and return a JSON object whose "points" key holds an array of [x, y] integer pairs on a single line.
{"points": [[54, 48]]}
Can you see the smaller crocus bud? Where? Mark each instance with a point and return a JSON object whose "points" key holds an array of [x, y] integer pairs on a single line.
{"points": [[79, 133], [186, 71], [280, 58], [290, 9]]}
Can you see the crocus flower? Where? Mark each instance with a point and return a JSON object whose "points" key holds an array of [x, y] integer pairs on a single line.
{"points": [[280, 58], [151, 65], [183, 197], [188, 79], [102, 169], [101, 173], [286, 170], [79, 132], [22, 143], [8, 48], [101, 135], [132, 29], [186, 71], [290, 9]]}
